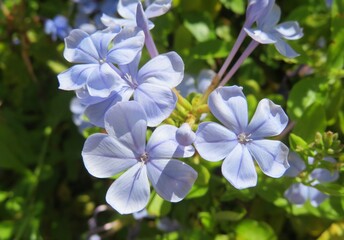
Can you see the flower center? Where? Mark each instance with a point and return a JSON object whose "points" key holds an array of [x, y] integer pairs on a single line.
{"points": [[131, 82], [101, 61], [244, 138], [144, 158]]}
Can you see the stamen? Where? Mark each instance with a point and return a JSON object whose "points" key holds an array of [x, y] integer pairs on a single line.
{"points": [[243, 138], [144, 158], [132, 82]]}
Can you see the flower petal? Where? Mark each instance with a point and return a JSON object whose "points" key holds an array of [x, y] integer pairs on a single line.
{"points": [[101, 41], [285, 49], [268, 120], [271, 156], [105, 156], [297, 193], [130, 192], [297, 165], [75, 77], [103, 80], [260, 36], [113, 23], [163, 144], [238, 168], [324, 175], [96, 112], [157, 101], [289, 30], [80, 48], [268, 21], [165, 70], [172, 179], [126, 45], [316, 197], [127, 8], [184, 135], [256, 9], [214, 142], [229, 106], [126, 121], [158, 8]]}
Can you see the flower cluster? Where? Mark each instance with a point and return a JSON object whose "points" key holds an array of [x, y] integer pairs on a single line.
{"points": [[127, 100]]}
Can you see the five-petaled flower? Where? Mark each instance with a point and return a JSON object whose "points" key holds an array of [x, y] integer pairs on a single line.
{"points": [[94, 71], [268, 32], [125, 148], [239, 142]]}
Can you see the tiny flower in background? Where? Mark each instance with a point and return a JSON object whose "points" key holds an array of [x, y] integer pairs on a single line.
{"points": [[94, 70], [268, 32], [127, 10], [239, 142], [78, 110], [151, 86], [57, 27], [198, 85], [299, 193], [125, 148]]}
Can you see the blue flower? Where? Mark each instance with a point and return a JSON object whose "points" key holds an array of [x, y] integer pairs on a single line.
{"points": [[78, 110], [268, 32], [127, 10], [95, 71], [239, 142], [125, 148], [299, 193], [256, 9], [151, 86], [58, 27]]}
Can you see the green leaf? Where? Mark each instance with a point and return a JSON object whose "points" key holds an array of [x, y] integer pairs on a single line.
{"points": [[304, 94], [200, 25], [249, 229], [211, 49], [237, 6], [312, 120], [158, 206], [331, 189], [231, 215], [297, 142]]}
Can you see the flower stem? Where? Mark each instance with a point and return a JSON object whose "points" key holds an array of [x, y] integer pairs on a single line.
{"points": [[232, 53], [241, 59]]}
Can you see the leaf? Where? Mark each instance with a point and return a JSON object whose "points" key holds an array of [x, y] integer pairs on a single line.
{"points": [[200, 25], [297, 142], [231, 215], [312, 120], [158, 206], [304, 94], [237, 6], [211, 49], [332, 189], [251, 229]]}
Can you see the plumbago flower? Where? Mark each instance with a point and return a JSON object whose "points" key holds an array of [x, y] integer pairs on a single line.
{"points": [[57, 27], [125, 148], [239, 142], [95, 71], [127, 10], [268, 32], [299, 193], [151, 86]]}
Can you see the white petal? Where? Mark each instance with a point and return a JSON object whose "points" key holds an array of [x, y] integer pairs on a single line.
{"points": [[130, 192], [260, 36], [271, 156], [172, 179], [238, 168], [105, 156], [158, 8], [163, 144], [214, 142], [290, 30], [126, 121], [229, 106], [75, 77], [165, 70], [268, 120], [285, 49], [80, 48], [157, 101]]}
